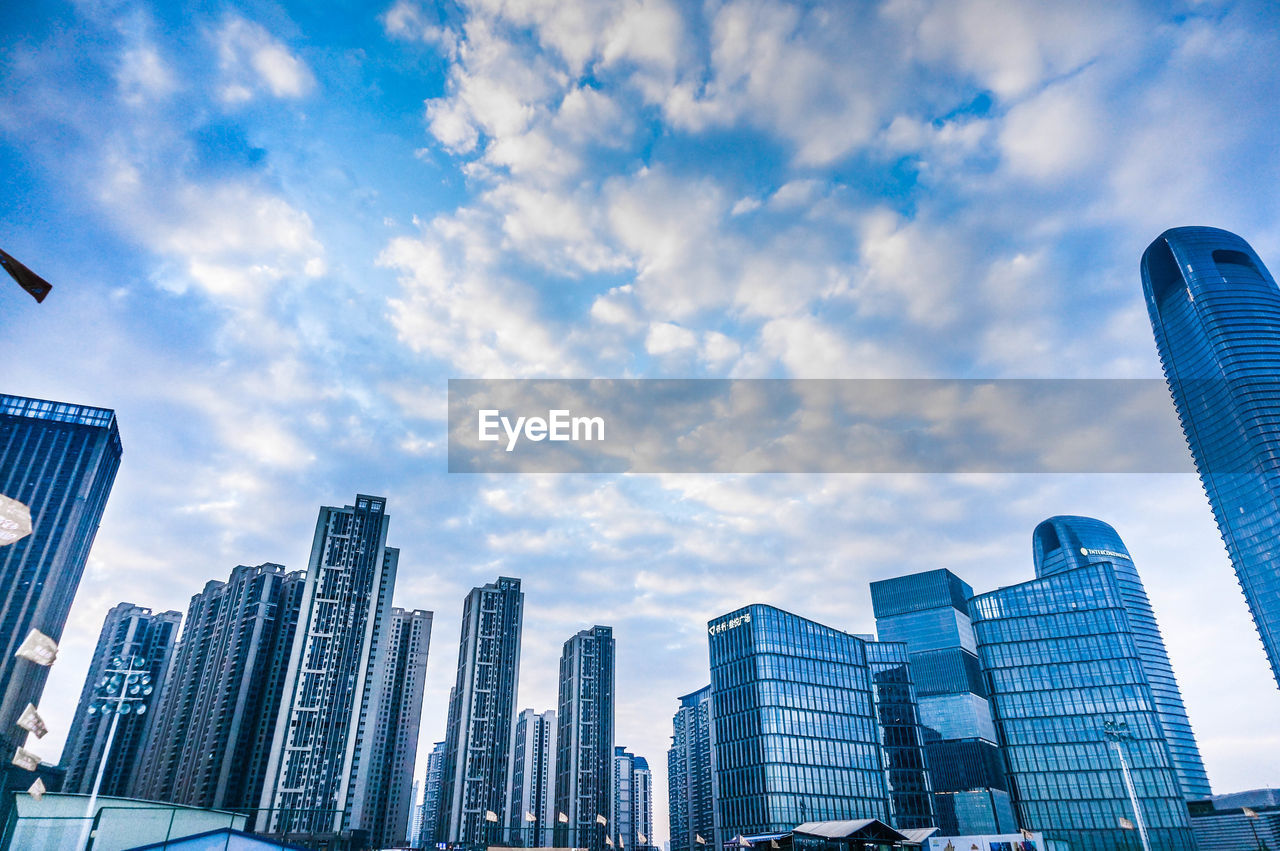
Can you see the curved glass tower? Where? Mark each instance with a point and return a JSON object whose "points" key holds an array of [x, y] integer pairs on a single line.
{"points": [[1215, 310]]}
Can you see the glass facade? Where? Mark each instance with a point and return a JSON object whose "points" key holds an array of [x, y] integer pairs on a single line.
{"points": [[910, 804], [1064, 543], [1061, 659], [929, 612], [795, 735], [1215, 310]]}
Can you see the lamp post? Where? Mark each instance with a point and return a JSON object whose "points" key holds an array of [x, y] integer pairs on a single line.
{"points": [[1117, 733], [123, 690]]}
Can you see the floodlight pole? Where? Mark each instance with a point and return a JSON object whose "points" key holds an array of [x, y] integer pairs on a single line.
{"points": [[134, 667], [1117, 732]]}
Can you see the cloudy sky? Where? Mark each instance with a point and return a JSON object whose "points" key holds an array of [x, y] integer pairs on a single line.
{"points": [[275, 231]]}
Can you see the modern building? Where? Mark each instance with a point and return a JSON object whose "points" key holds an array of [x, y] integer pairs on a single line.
{"points": [[383, 798], [632, 820], [1241, 820], [901, 739], [60, 461], [215, 721], [929, 613], [691, 807], [431, 785], [1065, 543], [584, 740], [323, 747], [533, 777], [1067, 660], [795, 735], [129, 633], [479, 740], [1215, 310]]}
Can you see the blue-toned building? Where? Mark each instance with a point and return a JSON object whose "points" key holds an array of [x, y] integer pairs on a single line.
{"points": [[929, 613], [1215, 310], [795, 724], [1063, 655], [691, 807], [901, 740]]}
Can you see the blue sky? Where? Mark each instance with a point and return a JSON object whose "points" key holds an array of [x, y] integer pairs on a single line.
{"points": [[275, 231]]}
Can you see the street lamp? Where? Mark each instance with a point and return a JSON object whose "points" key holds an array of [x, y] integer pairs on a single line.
{"points": [[124, 690], [1117, 733]]}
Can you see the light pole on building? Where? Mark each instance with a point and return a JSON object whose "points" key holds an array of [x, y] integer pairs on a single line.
{"points": [[1117, 733]]}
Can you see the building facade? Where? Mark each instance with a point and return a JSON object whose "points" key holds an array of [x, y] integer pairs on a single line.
{"points": [[794, 730], [216, 717], [60, 461], [476, 769], [1241, 820], [690, 805], [381, 800], [1215, 311], [632, 818], [129, 632], [929, 612], [533, 776], [901, 739], [431, 785], [1062, 661], [322, 746], [584, 740]]}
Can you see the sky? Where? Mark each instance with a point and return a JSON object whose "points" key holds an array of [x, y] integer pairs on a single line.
{"points": [[276, 230]]}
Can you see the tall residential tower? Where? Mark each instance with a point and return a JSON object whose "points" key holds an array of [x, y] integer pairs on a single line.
{"points": [[584, 742], [691, 808], [533, 777]]}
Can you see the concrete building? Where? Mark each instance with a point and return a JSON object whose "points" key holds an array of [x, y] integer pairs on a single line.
{"points": [[533, 775], [632, 818], [691, 807], [584, 740]]}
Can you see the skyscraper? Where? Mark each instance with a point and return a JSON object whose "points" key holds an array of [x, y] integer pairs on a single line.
{"points": [[691, 807], [431, 786], [929, 612], [60, 461], [1215, 310], [1066, 657], [533, 778], [632, 820], [481, 729], [129, 631], [910, 798], [323, 743], [381, 798], [1065, 543], [215, 721], [584, 741], [794, 728]]}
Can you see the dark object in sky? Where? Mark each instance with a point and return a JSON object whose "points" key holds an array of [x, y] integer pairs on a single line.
{"points": [[28, 280]]}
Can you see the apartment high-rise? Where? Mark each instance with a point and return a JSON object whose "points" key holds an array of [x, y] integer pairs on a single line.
{"points": [[431, 786], [632, 820], [1215, 310], [60, 461], [215, 721], [691, 807], [1065, 661], [929, 612], [795, 731], [381, 799], [533, 776], [476, 770], [129, 632], [324, 737], [584, 741]]}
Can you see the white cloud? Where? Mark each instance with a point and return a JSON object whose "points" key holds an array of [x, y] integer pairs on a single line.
{"points": [[408, 20], [252, 60], [1054, 135], [143, 75], [666, 338]]}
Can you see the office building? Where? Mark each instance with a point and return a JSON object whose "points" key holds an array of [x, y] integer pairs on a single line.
{"points": [[901, 739], [131, 637], [928, 612], [1241, 820], [382, 798], [632, 820], [215, 720], [584, 740], [691, 808], [1215, 310], [533, 776], [479, 739], [431, 785], [795, 735], [60, 461], [322, 748], [1065, 660]]}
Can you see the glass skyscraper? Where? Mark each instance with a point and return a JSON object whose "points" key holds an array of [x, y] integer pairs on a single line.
{"points": [[1215, 310], [795, 733], [690, 804], [910, 801], [1064, 655], [929, 612]]}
